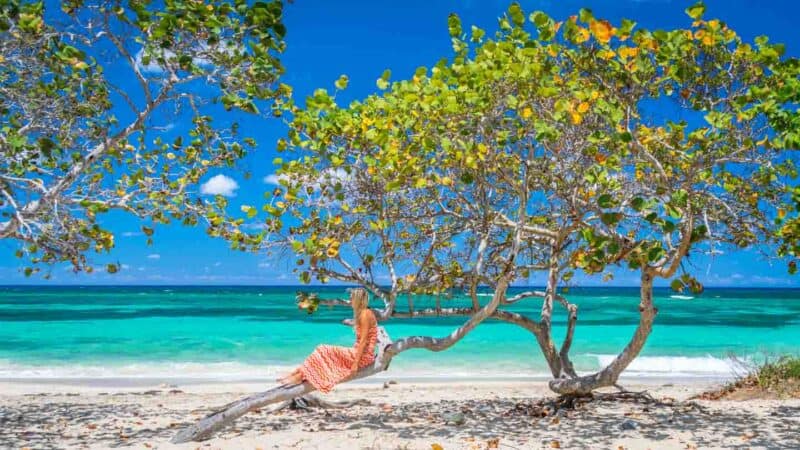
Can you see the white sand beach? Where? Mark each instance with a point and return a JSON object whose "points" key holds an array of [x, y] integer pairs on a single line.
{"points": [[459, 415]]}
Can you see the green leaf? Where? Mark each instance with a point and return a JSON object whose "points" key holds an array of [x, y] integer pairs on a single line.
{"points": [[655, 253], [517, 16], [605, 201], [454, 25], [342, 82], [383, 81], [696, 11]]}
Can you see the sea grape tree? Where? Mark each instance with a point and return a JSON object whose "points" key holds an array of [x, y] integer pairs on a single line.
{"points": [[554, 147], [643, 148], [87, 96]]}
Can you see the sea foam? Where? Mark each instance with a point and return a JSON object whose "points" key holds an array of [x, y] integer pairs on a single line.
{"points": [[681, 366]]}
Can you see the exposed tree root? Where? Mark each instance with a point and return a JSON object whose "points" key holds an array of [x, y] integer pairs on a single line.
{"points": [[552, 406]]}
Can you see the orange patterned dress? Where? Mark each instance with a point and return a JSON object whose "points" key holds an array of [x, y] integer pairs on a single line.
{"points": [[330, 364]]}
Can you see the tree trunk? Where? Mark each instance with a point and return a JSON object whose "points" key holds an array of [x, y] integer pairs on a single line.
{"points": [[609, 375]]}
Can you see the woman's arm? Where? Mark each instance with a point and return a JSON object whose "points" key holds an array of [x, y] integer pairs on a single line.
{"points": [[362, 324]]}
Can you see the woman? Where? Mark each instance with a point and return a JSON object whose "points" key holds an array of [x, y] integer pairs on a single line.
{"points": [[328, 364]]}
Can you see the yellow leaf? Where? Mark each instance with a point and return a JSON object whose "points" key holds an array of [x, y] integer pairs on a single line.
{"points": [[708, 39], [781, 213], [602, 30], [628, 52], [526, 113], [595, 95], [576, 118], [436, 447], [583, 107], [582, 35], [2, 58], [170, 155]]}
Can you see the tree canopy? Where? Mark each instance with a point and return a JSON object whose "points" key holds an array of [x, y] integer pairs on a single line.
{"points": [[77, 141]]}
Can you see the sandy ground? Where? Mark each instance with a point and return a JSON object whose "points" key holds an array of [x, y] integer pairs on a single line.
{"points": [[402, 416]]}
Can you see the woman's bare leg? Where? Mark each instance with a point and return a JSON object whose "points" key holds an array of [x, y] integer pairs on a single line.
{"points": [[291, 376]]}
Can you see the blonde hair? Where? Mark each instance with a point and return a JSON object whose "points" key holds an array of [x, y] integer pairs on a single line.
{"points": [[359, 301]]}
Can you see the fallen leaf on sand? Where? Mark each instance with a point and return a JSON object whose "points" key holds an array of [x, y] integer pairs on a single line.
{"points": [[748, 435], [92, 426], [493, 443], [555, 444], [436, 447], [386, 407]]}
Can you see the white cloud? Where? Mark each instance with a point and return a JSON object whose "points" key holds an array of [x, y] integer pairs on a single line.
{"points": [[263, 265], [131, 233], [329, 175], [217, 264], [140, 268], [125, 267], [154, 256], [166, 127], [254, 226], [220, 185], [274, 179], [154, 68]]}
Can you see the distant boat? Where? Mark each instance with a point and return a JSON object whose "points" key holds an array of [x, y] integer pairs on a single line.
{"points": [[682, 297]]}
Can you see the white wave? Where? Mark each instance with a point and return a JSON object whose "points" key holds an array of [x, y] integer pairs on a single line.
{"points": [[680, 366], [166, 370], [234, 371], [682, 297]]}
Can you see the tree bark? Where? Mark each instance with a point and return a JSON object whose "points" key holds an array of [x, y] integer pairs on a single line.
{"points": [[609, 375]]}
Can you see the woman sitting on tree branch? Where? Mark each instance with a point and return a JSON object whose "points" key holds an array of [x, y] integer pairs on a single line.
{"points": [[329, 365]]}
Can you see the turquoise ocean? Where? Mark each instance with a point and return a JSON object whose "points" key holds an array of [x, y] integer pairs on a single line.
{"points": [[219, 333]]}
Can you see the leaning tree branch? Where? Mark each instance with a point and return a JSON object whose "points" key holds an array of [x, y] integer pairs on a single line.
{"points": [[387, 350]]}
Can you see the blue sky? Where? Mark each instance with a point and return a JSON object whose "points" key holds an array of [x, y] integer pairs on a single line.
{"points": [[362, 38]]}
